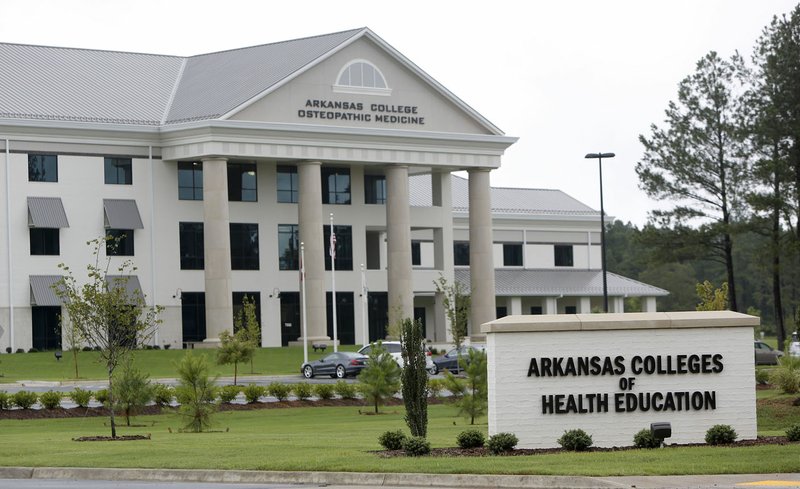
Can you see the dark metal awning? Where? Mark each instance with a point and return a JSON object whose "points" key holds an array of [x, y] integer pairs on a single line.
{"points": [[122, 214], [42, 293], [46, 212], [131, 282]]}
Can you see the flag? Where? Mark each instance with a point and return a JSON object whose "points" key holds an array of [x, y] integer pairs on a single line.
{"points": [[333, 245]]}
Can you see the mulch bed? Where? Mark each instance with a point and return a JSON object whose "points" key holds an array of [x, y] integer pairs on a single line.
{"points": [[108, 438]]}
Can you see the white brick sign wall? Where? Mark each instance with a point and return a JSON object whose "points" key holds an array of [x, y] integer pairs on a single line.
{"points": [[614, 374]]}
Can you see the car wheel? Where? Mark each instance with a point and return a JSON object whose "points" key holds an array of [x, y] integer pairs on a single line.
{"points": [[433, 370], [340, 372], [308, 371]]}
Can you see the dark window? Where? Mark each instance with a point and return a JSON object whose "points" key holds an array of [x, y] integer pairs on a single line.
{"points": [[190, 180], [563, 255], [374, 189], [344, 247], [119, 171], [193, 316], [191, 246], [512, 254], [536, 310], [244, 246], [46, 322], [42, 168], [378, 314], [336, 186], [287, 185], [501, 312], [44, 241], [290, 317], [461, 253], [242, 182], [570, 310], [238, 306], [416, 253], [345, 318], [119, 242], [288, 247]]}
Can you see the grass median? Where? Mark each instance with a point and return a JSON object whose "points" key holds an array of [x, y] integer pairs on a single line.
{"points": [[343, 439]]}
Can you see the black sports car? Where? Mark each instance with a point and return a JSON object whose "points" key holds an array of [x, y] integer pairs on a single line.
{"points": [[338, 365]]}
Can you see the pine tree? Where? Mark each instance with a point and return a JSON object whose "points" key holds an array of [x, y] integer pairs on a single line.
{"points": [[380, 379], [414, 377]]}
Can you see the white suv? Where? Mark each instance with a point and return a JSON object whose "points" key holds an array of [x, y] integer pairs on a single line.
{"points": [[394, 349]]}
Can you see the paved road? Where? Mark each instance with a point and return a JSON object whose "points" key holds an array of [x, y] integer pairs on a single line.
{"points": [[89, 484]]}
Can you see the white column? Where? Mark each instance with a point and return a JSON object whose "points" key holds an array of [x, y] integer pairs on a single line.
{"points": [[398, 246], [481, 257], [584, 305], [217, 244], [649, 304], [550, 305], [514, 306], [309, 211], [617, 304]]}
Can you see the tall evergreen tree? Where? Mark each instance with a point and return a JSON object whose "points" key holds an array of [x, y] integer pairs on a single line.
{"points": [[697, 160], [414, 377]]}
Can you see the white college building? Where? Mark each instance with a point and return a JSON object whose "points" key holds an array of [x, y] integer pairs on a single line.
{"points": [[216, 167]]}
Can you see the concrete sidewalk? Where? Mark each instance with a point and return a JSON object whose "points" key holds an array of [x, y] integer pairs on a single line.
{"points": [[348, 479]]}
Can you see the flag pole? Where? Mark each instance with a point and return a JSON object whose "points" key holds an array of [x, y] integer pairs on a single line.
{"points": [[333, 286], [303, 289], [364, 311]]}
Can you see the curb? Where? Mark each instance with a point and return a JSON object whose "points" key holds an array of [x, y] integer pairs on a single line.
{"points": [[322, 478]]}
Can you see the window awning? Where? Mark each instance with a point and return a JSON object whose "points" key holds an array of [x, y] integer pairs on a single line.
{"points": [[122, 214], [132, 286], [42, 293], [46, 212]]}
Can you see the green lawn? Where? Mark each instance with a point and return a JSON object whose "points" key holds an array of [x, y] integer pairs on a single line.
{"points": [[341, 439], [158, 363]]}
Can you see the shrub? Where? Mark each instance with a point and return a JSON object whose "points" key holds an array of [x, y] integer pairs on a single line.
{"points": [[575, 440], [163, 395], [50, 399], [392, 440], [228, 393], [5, 401], [279, 391], [87, 348], [787, 375], [645, 439], [345, 390], [303, 390], [196, 393], [132, 391], [435, 387], [24, 399], [8, 349], [762, 376], [720, 434], [416, 446], [793, 433], [470, 439], [81, 397], [502, 442], [101, 396], [324, 391], [166, 346], [33, 350], [20, 350], [252, 393]]}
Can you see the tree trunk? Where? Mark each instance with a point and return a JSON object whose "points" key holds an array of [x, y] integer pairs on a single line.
{"points": [[111, 401], [729, 267], [235, 371], [75, 358], [776, 263]]}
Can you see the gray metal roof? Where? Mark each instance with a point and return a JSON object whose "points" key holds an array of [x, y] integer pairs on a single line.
{"points": [[505, 200], [122, 214], [548, 283], [46, 212], [214, 84], [131, 282], [85, 85], [42, 293]]}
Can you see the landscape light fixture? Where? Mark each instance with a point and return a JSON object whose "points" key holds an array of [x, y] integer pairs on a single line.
{"points": [[58, 355], [599, 157]]}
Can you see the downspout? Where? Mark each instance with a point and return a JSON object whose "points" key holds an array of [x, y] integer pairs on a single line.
{"points": [[152, 237], [8, 242]]}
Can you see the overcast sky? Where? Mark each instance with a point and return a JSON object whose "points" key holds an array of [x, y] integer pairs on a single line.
{"points": [[567, 77]]}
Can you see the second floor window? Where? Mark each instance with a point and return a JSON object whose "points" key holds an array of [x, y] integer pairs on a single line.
{"points": [[244, 246], [119, 242], [118, 171], [374, 189], [192, 248], [190, 180], [288, 189], [242, 184], [42, 168], [563, 255], [288, 247], [416, 253], [336, 186], [461, 253], [512, 254], [44, 241], [344, 247]]}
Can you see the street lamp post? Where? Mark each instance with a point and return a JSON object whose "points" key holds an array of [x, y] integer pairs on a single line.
{"points": [[599, 157]]}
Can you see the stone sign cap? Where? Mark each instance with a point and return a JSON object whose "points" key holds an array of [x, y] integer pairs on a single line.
{"points": [[614, 321]]}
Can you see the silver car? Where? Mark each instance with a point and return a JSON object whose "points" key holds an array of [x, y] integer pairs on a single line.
{"points": [[765, 354], [395, 349]]}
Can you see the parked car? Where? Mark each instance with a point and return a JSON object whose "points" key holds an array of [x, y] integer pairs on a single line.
{"points": [[395, 349], [338, 365], [765, 354], [449, 360], [794, 346]]}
